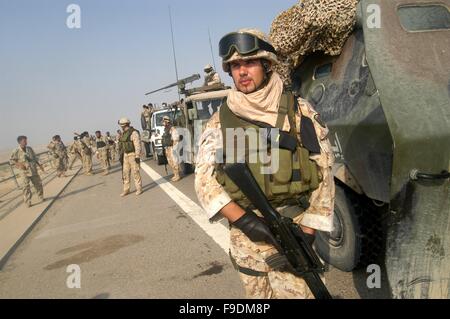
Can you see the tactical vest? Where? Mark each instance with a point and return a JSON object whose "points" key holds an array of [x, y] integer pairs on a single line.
{"points": [[297, 176], [100, 144], [167, 138], [126, 144]]}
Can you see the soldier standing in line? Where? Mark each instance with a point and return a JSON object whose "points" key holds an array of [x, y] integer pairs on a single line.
{"points": [[24, 159], [102, 147], [303, 186], [58, 151], [111, 147], [86, 146], [75, 151]]}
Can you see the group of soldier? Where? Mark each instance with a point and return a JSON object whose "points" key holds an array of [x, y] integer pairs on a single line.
{"points": [[83, 148], [258, 100], [125, 147]]}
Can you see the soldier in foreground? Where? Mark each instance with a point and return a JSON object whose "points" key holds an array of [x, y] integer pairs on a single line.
{"points": [[130, 157], [58, 151], [211, 76], [24, 159], [102, 148], [170, 141], [259, 100]]}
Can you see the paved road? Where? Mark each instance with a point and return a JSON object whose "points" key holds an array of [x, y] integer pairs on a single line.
{"points": [[137, 247]]}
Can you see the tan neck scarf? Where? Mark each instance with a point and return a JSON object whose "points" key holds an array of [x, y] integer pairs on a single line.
{"points": [[262, 105]]}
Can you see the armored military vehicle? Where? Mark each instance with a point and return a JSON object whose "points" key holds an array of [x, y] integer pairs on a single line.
{"points": [[190, 116], [386, 100], [197, 109]]}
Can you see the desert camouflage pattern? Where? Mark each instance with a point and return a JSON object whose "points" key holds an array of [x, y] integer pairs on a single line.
{"points": [[246, 253], [309, 26], [29, 175], [212, 78], [103, 154], [75, 153], [86, 146], [130, 167], [58, 151], [172, 155]]}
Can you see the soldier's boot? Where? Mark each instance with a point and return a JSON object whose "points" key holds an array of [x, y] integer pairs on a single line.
{"points": [[139, 192], [28, 204], [125, 193], [105, 173], [176, 177]]}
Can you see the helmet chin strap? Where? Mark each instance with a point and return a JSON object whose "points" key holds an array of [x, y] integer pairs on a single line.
{"points": [[267, 74]]}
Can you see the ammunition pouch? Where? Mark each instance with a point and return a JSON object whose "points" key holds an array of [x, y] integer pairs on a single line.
{"points": [[297, 175]]}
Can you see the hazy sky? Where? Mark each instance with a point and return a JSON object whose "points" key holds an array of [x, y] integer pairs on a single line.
{"points": [[56, 80]]}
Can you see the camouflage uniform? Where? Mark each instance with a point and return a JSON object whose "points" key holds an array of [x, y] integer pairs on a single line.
{"points": [[29, 175], [75, 150], [131, 167], [102, 153], [172, 156], [59, 153], [86, 146], [111, 148], [245, 253], [212, 78]]}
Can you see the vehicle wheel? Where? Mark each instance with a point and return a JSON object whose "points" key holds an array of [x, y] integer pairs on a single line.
{"points": [[161, 159], [342, 247], [187, 168], [357, 239]]}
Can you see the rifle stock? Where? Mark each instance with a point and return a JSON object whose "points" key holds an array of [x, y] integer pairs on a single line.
{"points": [[302, 258]]}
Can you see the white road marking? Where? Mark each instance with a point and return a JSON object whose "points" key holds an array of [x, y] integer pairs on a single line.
{"points": [[218, 232]]}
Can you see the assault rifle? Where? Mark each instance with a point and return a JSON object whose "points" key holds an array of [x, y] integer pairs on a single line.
{"points": [[296, 252]]}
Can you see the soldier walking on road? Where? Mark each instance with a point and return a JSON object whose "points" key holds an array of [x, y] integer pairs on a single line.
{"points": [[102, 148], [302, 188], [170, 141], [58, 151], [24, 159], [130, 157]]}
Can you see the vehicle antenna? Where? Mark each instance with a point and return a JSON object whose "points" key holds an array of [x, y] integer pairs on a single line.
{"points": [[212, 52], [173, 48]]}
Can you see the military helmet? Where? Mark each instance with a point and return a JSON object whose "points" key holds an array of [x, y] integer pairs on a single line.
{"points": [[246, 44], [208, 68], [124, 121], [167, 119]]}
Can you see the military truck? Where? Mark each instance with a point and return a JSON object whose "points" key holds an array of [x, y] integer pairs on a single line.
{"points": [[189, 115], [196, 111], [386, 102]]}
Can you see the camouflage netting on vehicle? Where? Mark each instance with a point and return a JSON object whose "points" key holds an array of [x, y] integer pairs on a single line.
{"points": [[309, 26]]}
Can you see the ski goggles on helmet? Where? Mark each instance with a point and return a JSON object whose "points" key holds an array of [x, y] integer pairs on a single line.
{"points": [[243, 43]]}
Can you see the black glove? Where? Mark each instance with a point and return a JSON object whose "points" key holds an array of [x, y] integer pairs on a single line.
{"points": [[255, 229], [138, 160]]}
